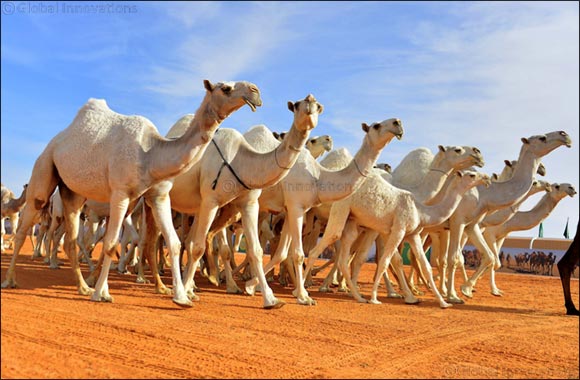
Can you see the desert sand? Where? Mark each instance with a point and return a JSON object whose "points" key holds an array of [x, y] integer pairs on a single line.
{"points": [[50, 331]]}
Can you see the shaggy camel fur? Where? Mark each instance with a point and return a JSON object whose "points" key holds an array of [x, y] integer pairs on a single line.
{"points": [[209, 186], [116, 158], [10, 208], [566, 266]]}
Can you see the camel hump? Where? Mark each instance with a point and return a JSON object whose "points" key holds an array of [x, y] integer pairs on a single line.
{"points": [[337, 159], [180, 126], [261, 138]]}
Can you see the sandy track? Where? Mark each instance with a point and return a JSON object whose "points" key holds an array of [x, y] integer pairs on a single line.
{"points": [[49, 331]]}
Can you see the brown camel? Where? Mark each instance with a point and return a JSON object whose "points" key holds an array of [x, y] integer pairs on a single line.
{"points": [[566, 266]]}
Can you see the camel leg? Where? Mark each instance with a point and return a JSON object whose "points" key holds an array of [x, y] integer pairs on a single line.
{"points": [[566, 266], [496, 265], [336, 221], [487, 260], [150, 235], [391, 242], [425, 267], [453, 253], [295, 218], [362, 246], [28, 216], [250, 210], [72, 204], [349, 235], [225, 254], [280, 255], [195, 243]]}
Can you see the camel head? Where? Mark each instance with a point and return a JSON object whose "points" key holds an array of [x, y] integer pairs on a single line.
{"points": [[561, 190], [540, 185], [227, 97], [540, 145], [380, 134], [541, 170], [459, 157], [510, 166], [384, 166], [320, 143], [471, 178], [306, 113]]}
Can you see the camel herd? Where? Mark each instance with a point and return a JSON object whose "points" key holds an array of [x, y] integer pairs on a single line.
{"points": [[199, 187]]}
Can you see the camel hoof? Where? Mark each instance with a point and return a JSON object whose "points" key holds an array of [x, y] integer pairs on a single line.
{"points": [[572, 312], [467, 291], [106, 299], [343, 290], [213, 280], [497, 293], [192, 296], [55, 266], [394, 295], [183, 303], [86, 291], [415, 301], [163, 290], [362, 300], [445, 305], [234, 291], [251, 287], [455, 300], [324, 289], [9, 284], [277, 304], [142, 280], [375, 302], [306, 302]]}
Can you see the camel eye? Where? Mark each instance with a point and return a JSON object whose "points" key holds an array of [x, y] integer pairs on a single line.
{"points": [[543, 139], [376, 126]]}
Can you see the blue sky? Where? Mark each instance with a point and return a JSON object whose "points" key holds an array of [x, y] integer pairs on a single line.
{"points": [[456, 73]]}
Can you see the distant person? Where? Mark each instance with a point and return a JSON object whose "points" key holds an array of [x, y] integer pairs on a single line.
{"points": [[566, 266]]}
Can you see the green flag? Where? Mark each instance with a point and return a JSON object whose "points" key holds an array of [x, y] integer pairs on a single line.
{"points": [[541, 231], [566, 233]]}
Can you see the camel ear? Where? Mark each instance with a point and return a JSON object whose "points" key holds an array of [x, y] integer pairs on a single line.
{"points": [[282, 135], [494, 177], [508, 163], [320, 108], [459, 174], [291, 106], [276, 135], [208, 86], [365, 127], [441, 148], [525, 140]]}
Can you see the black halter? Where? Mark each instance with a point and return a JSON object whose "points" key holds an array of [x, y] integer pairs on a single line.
{"points": [[225, 163]]}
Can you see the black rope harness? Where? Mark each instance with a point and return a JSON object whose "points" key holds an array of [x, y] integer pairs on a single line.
{"points": [[225, 163]]}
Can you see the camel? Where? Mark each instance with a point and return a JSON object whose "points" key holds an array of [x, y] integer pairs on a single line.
{"points": [[309, 184], [209, 186], [318, 145], [480, 201], [566, 266], [397, 216], [10, 208], [524, 220], [116, 158]]}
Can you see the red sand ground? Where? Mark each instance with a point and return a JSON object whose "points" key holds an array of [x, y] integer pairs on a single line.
{"points": [[49, 331]]}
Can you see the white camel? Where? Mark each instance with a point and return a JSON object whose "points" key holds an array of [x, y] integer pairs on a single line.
{"points": [[309, 184], [397, 216], [524, 220], [233, 173], [116, 158], [480, 201], [319, 145], [10, 208]]}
